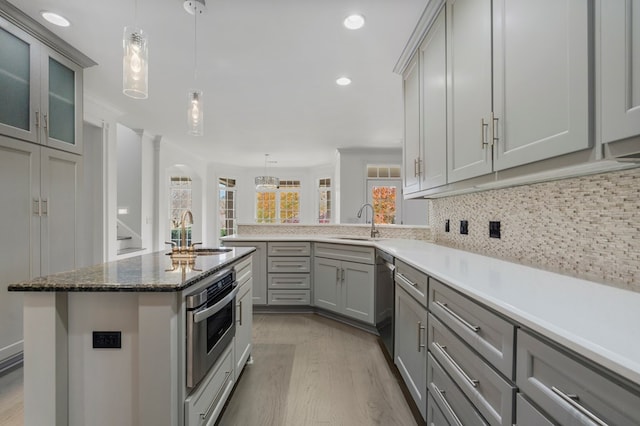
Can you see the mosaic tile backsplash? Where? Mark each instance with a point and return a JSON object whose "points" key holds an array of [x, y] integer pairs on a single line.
{"points": [[587, 227], [391, 231]]}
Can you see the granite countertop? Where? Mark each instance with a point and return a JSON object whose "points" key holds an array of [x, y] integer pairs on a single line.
{"points": [[146, 273], [595, 320]]}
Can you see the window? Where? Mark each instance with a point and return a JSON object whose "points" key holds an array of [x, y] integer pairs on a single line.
{"points": [[227, 206], [384, 187], [384, 203], [390, 172], [281, 205], [324, 200], [179, 202]]}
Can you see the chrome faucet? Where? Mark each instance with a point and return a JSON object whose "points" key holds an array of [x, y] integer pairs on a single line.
{"points": [[374, 231], [183, 229]]}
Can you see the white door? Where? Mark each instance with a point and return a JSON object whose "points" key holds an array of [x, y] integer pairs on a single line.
{"points": [[469, 83], [20, 229], [385, 195], [541, 80], [620, 69]]}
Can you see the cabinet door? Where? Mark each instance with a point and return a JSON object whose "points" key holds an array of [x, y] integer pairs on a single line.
{"points": [[541, 80], [433, 69], [20, 228], [60, 191], [411, 148], [469, 83], [358, 291], [19, 83], [62, 103], [244, 323], [326, 284], [259, 268], [410, 346], [620, 69]]}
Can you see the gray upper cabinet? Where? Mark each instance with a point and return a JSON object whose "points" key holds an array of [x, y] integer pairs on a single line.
{"points": [[411, 149], [620, 69], [541, 83], [45, 89], [469, 95]]}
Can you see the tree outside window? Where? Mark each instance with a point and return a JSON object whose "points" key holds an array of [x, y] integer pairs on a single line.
{"points": [[324, 200], [281, 205], [384, 204]]}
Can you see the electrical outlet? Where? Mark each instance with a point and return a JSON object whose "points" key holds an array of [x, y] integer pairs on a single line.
{"points": [[494, 229], [464, 227], [446, 226]]}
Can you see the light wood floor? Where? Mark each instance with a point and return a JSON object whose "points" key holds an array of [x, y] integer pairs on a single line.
{"points": [[307, 370]]}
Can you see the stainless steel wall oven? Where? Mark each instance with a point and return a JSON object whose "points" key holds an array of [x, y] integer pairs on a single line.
{"points": [[210, 323]]}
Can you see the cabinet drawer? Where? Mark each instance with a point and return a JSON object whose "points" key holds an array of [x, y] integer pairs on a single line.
{"points": [[289, 281], [449, 399], [289, 297], [289, 264], [413, 281], [487, 333], [528, 415], [243, 271], [289, 248], [204, 405], [359, 254], [570, 391], [491, 394]]}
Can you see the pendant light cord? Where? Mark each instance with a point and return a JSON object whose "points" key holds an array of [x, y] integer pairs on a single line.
{"points": [[195, 43]]}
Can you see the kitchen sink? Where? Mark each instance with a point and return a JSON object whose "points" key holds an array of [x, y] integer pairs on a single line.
{"points": [[200, 252], [358, 238]]}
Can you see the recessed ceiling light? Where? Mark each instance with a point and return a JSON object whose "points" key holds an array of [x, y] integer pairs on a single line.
{"points": [[354, 22], [55, 19], [343, 81]]}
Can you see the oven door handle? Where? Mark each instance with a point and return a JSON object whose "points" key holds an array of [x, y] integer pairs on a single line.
{"points": [[212, 310]]}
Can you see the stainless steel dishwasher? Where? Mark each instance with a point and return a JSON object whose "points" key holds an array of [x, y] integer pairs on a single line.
{"points": [[385, 299]]}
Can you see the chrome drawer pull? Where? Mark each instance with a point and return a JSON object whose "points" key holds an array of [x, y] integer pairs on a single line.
{"points": [[573, 401], [405, 279], [447, 407], [207, 413], [471, 381], [420, 328], [464, 322]]}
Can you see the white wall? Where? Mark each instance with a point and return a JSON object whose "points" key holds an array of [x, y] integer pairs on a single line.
{"points": [[129, 148]]}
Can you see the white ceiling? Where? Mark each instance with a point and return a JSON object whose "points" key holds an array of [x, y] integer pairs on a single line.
{"points": [[267, 69]]}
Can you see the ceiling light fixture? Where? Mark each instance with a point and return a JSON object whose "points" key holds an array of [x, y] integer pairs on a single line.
{"points": [[195, 112], [55, 19], [343, 81], [135, 60], [354, 22], [266, 181]]}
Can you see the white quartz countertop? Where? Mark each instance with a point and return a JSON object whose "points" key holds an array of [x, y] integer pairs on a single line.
{"points": [[600, 322]]}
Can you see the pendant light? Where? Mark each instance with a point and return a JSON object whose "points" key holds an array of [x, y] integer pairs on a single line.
{"points": [[135, 60], [266, 181], [195, 112]]}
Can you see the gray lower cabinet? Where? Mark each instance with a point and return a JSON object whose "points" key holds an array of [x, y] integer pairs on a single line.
{"points": [[570, 391], [289, 269], [446, 398], [346, 288], [492, 395], [259, 268], [528, 415], [411, 346]]}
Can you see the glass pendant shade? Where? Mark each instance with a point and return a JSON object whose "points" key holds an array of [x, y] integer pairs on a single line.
{"points": [[267, 182], [195, 113], [135, 62]]}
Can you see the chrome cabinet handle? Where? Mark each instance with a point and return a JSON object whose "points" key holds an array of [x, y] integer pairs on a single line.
{"points": [[46, 122], [471, 381], [440, 394], [573, 401], [420, 328], [419, 167], [37, 118], [240, 316], [36, 207], [405, 280], [45, 208], [337, 275], [342, 274], [415, 167], [207, 413], [483, 135], [494, 130], [462, 321]]}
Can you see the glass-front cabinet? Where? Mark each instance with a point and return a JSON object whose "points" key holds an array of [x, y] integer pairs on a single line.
{"points": [[41, 92]]}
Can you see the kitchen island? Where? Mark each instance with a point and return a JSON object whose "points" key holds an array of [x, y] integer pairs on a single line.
{"points": [[134, 371]]}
